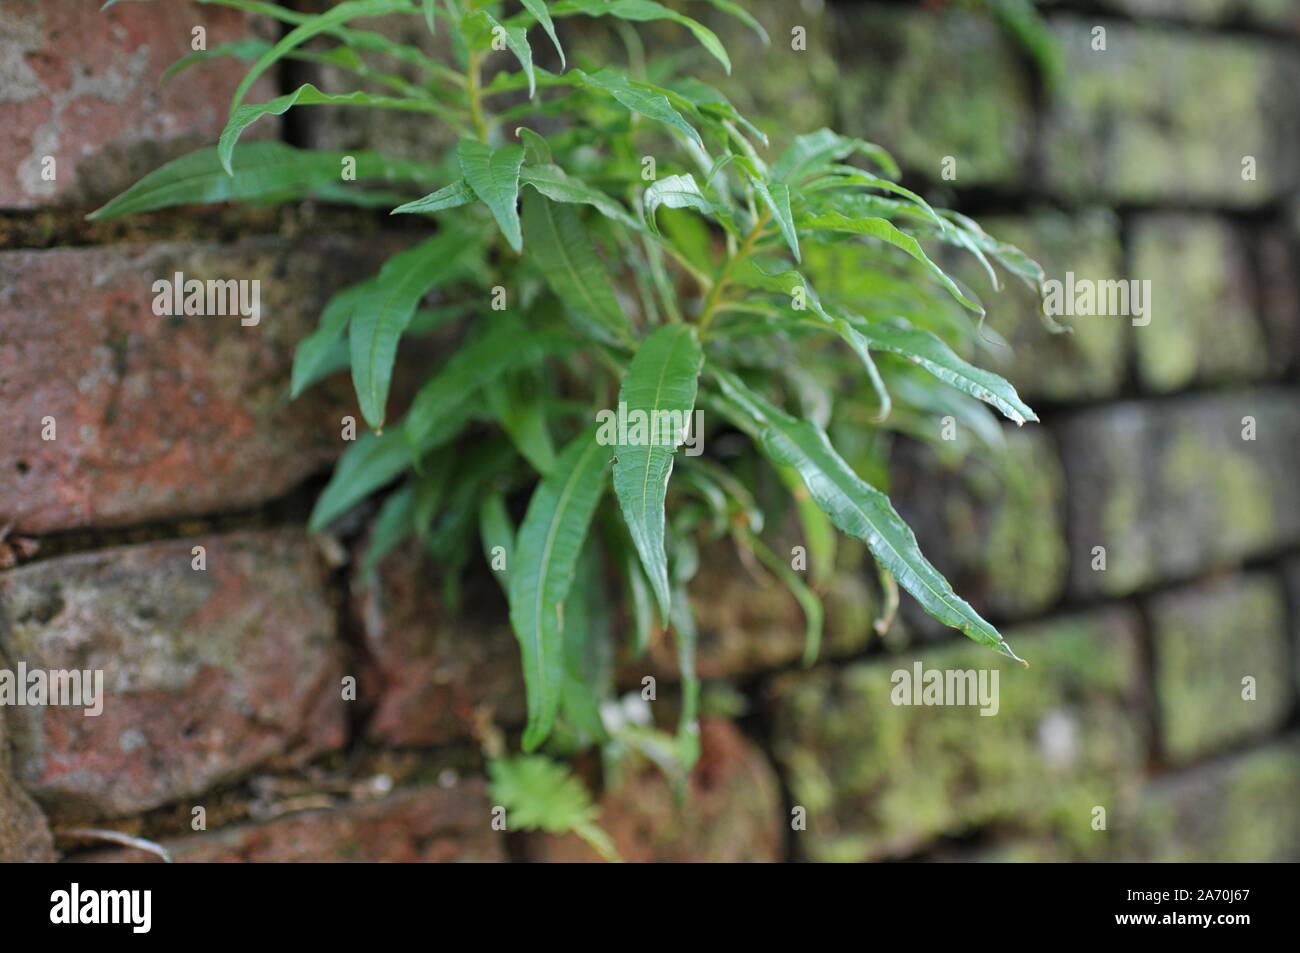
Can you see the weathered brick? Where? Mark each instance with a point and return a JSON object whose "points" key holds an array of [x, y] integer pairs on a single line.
{"points": [[935, 84], [1204, 327], [994, 525], [430, 824], [81, 86], [24, 834], [1089, 361], [1165, 115], [429, 671], [1280, 15], [1243, 809], [160, 416], [1208, 639], [880, 780], [206, 674], [748, 625], [1172, 488], [731, 811]]}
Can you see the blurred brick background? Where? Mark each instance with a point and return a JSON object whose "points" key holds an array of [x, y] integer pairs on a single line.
{"points": [[224, 685]]}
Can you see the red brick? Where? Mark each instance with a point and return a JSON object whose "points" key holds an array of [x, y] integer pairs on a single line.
{"points": [[429, 670], [82, 86], [160, 416], [423, 825], [207, 675], [732, 811]]}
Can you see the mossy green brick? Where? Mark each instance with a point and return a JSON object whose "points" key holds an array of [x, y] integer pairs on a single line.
{"points": [[1163, 115], [933, 84], [994, 524], [880, 780], [1280, 15], [1086, 363], [1221, 664], [1169, 489], [1244, 809], [1204, 326]]}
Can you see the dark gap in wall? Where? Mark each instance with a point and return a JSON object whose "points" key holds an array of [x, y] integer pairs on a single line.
{"points": [[1152, 724], [295, 125]]}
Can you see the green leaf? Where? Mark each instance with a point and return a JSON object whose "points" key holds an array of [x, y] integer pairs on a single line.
{"points": [[380, 319], [556, 185], [493, 174], [818, 533], [538, 9], [559, 245], [262, 171], [888, 232], [855, 507], [449, 196], [306, 95], [314, 357], [393, 526], [546, 554], [495, 529], [642, 11], [675, 191], [777, 199], [807, 599], [658, 389], [245, 50], [430, 19], [931, 353], [586, 649], [744, 16], [507, 344], [325, 22], [522, 415], [810, 154], [364, 467], [640, 98], [540, 794]]}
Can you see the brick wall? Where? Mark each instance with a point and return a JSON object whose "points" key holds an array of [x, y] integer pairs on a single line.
{"points": [[224, 685]]}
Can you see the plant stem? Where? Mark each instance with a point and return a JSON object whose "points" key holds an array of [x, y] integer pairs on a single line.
{"points": [[475, 95], [714, 299]]}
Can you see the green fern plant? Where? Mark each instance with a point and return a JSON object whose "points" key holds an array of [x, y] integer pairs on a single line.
{"points": [[622, 241]]}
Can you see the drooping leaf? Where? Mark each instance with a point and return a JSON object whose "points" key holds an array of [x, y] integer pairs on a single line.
{"points": [[808, 601], [809, 154], [642, 11], [364, 467], [558, 243], [521, 414], [315, 353], [496, 530], [246, 50], [538, 9], [493, 174], [507, 344], [262, 171], [731, 8], [888, 232], [546, 554], [394, 524], [929, 352], [658, 390], [558, 186], [777, 199], [856, 507], [314, 26], [638, 97], [381, 317]]}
